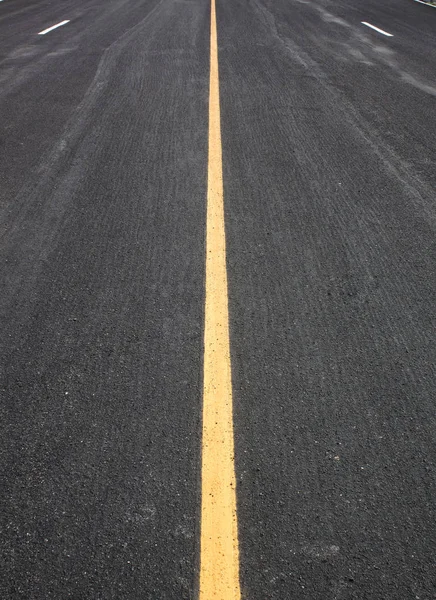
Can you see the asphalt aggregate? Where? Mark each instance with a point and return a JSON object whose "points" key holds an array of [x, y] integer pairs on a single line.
{"points": [[329, 167]]}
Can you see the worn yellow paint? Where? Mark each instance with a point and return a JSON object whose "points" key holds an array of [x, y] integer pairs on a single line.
{"points": [[219, 558]]}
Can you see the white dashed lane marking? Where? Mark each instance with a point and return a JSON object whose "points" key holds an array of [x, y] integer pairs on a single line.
{"points": [[53, 27], [377, 29]]}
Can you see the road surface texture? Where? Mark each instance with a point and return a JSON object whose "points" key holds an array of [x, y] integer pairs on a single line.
{"points": [[329, 171]]}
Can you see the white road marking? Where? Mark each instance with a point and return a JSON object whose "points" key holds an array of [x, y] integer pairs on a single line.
{"points": [[53, 27], [421, 2], [377, 29]]}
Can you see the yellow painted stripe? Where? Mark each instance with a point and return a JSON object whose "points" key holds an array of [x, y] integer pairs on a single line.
{"points": [[219, 559]]}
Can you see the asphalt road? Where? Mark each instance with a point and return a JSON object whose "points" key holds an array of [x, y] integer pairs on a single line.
{"points": [[329, 165]]}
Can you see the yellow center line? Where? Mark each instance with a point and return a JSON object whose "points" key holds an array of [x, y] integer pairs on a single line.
{"points": [[219, 553]]}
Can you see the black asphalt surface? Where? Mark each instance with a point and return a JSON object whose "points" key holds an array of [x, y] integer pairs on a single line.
{"points": [[329, 159]]}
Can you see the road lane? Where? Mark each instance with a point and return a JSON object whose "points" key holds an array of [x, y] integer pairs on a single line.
{"points": [[101, 314], [331, 253]]}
